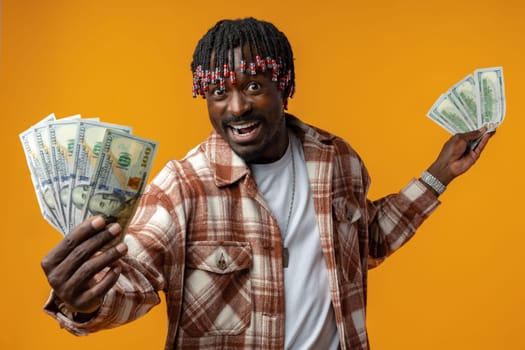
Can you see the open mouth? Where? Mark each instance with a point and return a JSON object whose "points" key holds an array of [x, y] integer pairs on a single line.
{"points": [[245, 129]]}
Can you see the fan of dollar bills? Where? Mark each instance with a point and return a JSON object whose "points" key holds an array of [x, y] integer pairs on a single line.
{"points": [[477, 100], [83, 167]]}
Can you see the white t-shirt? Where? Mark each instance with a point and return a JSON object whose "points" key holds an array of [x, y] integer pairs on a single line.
{"points": [[310, 321]]}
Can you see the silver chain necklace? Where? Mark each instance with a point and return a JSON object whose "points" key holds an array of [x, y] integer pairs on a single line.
{"points": [[286, 253]]}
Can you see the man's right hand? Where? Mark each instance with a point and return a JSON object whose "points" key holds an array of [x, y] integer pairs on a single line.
{"points": [[72, 265]]}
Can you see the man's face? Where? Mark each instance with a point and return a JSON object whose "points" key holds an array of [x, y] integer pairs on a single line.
{"points": [[250, 115]]}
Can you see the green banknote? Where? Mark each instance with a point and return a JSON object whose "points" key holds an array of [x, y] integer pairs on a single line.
{"points": [[89, 138], [447, 110], [439, 120], [122, 170], [62, 137], [464, 93], [81, 167], [476, 101], [491, 96], [40, 177]]}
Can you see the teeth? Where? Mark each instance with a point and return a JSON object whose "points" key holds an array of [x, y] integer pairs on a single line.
{"points": [[244, 129], [243, 126]]}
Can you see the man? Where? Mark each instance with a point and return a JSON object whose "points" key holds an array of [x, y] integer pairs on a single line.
{"points": [[262, 236]]}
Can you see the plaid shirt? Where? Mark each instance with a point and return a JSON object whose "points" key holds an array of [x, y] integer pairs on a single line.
{"points": [[205, 236]]}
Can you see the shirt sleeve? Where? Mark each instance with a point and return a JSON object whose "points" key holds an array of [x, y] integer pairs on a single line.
{"points": [[148, 237], [394, 219]]}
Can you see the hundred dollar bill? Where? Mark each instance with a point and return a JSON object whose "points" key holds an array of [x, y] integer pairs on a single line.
{"points": [[491, 96], [441, 122], [447, 110], [42, 181], [63, 141], [464, 92], [43, 143], [90, 135], [122, 171]]}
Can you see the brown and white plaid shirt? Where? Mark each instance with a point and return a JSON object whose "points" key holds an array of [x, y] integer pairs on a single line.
{"points": [[205, 236]]}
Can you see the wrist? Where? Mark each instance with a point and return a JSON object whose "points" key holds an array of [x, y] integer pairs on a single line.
{"points": [[75, 316], [64, 309], [433, 182], [441, 172]]}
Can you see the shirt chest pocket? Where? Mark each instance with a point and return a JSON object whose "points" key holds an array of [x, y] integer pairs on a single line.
{"points": [[346, 217], [217, 288]]}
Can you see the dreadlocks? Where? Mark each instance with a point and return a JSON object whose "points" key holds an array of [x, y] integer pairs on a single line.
{"points": [[268, 49]]}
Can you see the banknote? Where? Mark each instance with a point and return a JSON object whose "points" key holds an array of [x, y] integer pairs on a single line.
{"points": [[62, 138], [464, 92], [51, 193], [491, 96], [438, 119], [121, 173], [89, 140], [475, 101], [81, 167], [40, 177], [446, 109]]}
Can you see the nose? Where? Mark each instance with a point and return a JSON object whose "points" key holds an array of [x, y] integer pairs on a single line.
{"points": [[239, 104]]}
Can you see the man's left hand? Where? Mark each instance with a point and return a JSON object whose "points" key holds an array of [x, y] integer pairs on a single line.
{"points": [[456, 156]]}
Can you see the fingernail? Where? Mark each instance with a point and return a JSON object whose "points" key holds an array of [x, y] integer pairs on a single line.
{"points": [[98, 222], [114, 229], [121, 248]]}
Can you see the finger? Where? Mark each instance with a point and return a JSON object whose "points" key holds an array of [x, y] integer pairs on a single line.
{"points": [[472, 155], [83, 252], [79, 234], [472, 140], [96, 264], [91, 283], [472, 135], [91, 299], [482, 143]]}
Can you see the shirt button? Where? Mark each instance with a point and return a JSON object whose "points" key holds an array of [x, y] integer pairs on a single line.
{"points": [[221, 263]]}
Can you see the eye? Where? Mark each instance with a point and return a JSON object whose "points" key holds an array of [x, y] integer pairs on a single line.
{"points": [[253, 86], [218, 92]]}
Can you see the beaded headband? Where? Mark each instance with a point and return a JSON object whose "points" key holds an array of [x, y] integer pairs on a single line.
{"points": [[203, 78]]}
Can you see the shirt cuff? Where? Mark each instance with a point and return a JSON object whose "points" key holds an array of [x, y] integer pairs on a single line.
{"points": [[420, 195], [55, 308]]}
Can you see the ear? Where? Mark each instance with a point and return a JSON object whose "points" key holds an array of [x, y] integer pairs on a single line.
{"points": [[284, 104], [286, 94]]}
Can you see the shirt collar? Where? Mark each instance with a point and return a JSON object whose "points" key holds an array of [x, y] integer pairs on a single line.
{"points": [[228, 168]]}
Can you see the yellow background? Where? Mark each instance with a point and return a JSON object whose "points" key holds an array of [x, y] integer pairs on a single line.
{"points": [[367, 70]]}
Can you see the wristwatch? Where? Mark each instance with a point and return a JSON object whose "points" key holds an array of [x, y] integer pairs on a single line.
{"points": [[433, 182]]}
